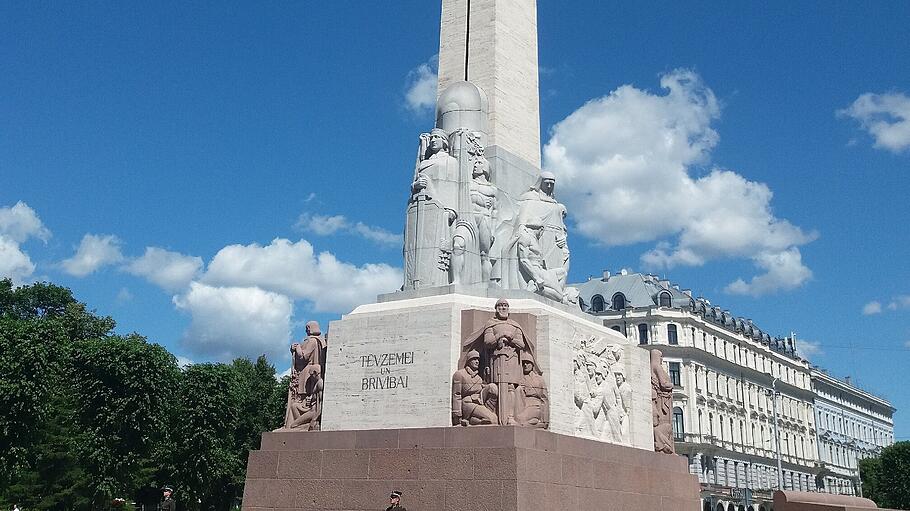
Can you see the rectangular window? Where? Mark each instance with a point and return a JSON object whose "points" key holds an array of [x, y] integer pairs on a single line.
{"points": [[671, 334], [675, 376]]}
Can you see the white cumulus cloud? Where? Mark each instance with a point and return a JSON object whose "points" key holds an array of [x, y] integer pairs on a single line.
{"points": [[172, 271], [20, 222], [420, 92], [900, 302], [886, 117], [296, 270], [94, 252], [325, 225], [783, 271], [627, 168], [808, 349], [228, 322], [873, 307], [14, 263]]}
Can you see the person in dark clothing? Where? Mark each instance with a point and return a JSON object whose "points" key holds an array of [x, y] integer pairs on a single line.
{"points": [[395, 502], [169, 503]]}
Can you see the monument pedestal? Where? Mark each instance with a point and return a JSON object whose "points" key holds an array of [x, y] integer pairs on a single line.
{"points": [[390, 364], [495, 468]]}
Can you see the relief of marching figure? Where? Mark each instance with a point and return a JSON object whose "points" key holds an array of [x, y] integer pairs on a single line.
{"points": [[603, 398], [499, 380], [304, 408]]}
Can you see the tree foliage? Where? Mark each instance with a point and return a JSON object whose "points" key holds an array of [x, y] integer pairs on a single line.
{"points": [[90, 415], [886, 479]]}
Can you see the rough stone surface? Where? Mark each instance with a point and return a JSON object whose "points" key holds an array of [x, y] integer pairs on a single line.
{"points": [[502, 60], [486, 468], [419, 340]]}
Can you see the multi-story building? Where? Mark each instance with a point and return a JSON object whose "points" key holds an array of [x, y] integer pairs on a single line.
{"points": [[725, 370], [852, 424]]}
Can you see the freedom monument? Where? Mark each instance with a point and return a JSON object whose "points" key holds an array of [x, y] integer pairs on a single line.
{"points": [[480, 384]]}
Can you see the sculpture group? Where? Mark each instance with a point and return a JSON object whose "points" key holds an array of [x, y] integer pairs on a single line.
{"points": [[603, 397], [461, 228], [498, 380], [304, 408]]}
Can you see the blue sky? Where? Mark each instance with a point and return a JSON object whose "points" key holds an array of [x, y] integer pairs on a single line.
{"points": [[214, 175]]}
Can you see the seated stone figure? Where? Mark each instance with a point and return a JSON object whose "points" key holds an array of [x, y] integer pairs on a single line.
{"points": [[541, 279], [470, 395], [534, 403]]}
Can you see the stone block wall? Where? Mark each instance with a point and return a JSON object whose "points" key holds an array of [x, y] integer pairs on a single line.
{"points": [[494, 468]]}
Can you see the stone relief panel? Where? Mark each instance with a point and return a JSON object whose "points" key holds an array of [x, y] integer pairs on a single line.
{"points": [[603, 397], [304, 408], [499, 380]]}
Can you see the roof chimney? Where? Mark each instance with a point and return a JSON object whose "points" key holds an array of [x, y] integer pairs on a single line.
{"points": [[848, 380], [606, 274], [687, 292]]}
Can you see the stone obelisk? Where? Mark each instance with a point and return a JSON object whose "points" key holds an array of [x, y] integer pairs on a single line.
{"points": [[447, 392], [493, 44]]}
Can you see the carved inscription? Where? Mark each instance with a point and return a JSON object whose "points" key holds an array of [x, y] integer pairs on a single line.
{"points": [[384, 362]]}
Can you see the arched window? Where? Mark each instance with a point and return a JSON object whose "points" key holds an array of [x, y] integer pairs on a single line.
{"points": [[617, 328], [597, 303], [671, 334], [619, 302], [679, 429], [643, 333], [663, 299]]}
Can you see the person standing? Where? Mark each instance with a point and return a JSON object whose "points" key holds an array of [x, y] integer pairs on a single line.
{"points": [[169, 503], [395, 502]]}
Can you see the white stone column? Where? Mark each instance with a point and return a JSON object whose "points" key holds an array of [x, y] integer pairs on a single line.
{"points": [[500, 40]]}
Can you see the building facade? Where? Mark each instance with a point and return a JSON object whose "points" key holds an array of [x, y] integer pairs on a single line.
{"points": [[852, 424], [728, 374]]}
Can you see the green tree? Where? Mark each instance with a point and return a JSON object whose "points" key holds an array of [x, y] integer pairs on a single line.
{"points": [[894, 478], [120, 388], [258, 412], [206, 464], [870, 470]]}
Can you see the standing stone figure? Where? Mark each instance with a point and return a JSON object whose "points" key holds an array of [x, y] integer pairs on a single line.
{"points": [[431, 213], [625, 395], [470, 394], [304, 410], [534, 403], [483, 199], [661, 404], [501, 342]]}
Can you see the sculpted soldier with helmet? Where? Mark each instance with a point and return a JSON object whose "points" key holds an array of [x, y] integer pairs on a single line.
{"points": [[520, 395]]}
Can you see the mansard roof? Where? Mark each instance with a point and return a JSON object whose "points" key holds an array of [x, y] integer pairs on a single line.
{"points": [[644, 290], [640, 290]]}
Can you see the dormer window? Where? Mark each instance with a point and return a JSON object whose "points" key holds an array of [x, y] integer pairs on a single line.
{"points": [[597, 303], [664, 299], [619, 302]]}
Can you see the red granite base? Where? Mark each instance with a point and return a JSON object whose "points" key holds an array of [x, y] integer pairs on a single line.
{"points": [[492, 468]]}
